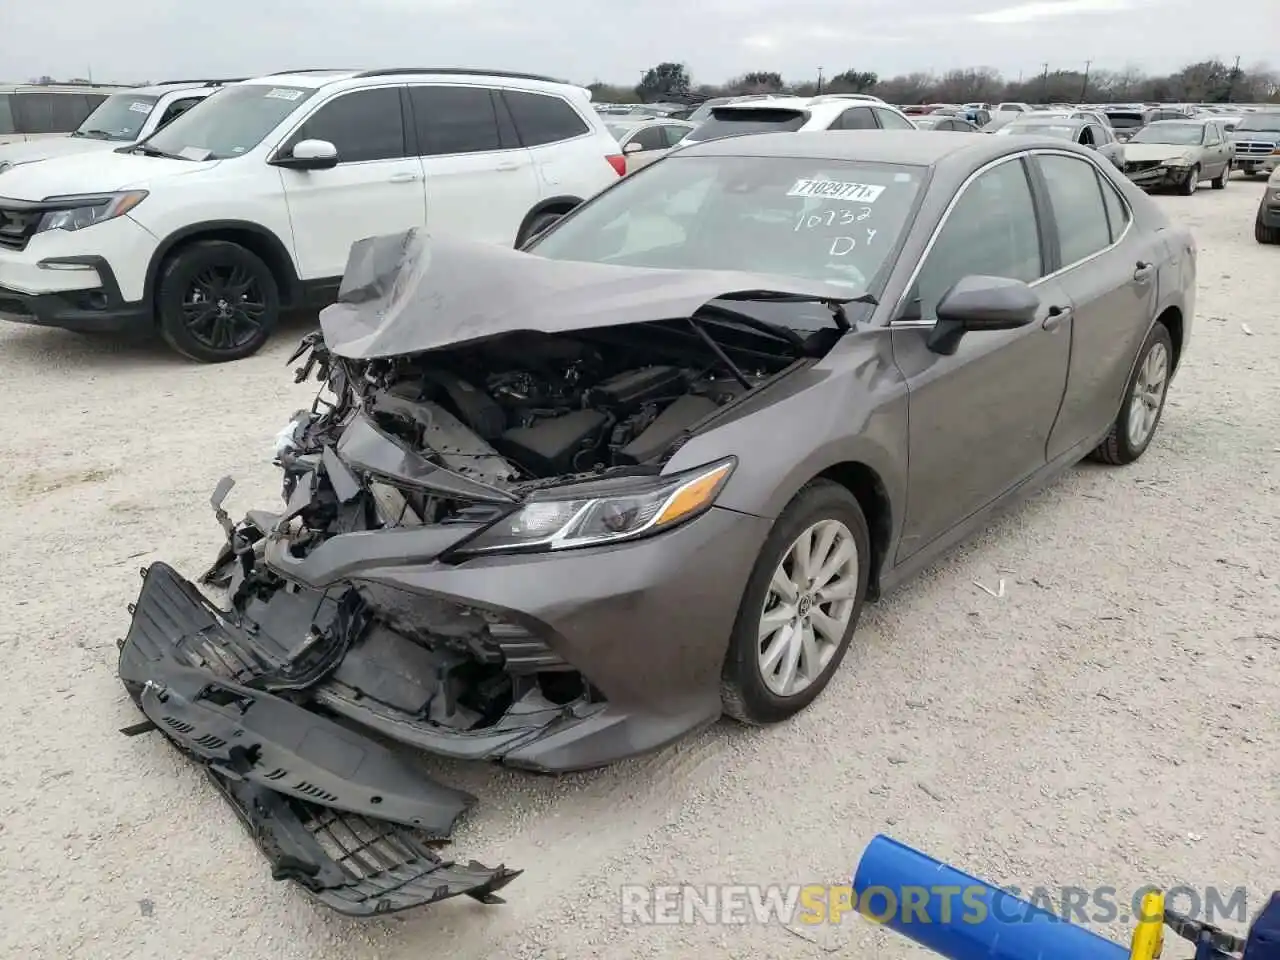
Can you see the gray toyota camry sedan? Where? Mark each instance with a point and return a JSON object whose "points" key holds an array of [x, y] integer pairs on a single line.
{"points": [[562, 505]]}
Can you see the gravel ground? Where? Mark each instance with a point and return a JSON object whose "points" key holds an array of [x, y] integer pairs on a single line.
{"points": [[1007, 736]]}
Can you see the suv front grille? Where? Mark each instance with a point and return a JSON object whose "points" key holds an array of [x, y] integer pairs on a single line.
{"points": [[18, 226], [1254, 148]]}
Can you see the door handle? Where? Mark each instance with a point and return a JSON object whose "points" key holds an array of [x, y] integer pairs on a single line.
{"points": [[404, 178], [1142, 272], [1055, 317], [507, 165]]}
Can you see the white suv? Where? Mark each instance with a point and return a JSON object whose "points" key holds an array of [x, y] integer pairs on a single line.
{"points": [[250, 202], [125, 117], [827, 112]]}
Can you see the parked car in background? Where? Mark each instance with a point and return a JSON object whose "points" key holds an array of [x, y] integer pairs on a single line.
{"points": [[1156, 114], [1266, 228], [1179, 154], [1007, 113], [1086, 132], [945, 122], [703, 113], [644, 141], [1257, 142], [251, 202], [121, 118], [36, 110], [789, 114], [1125, 121]]}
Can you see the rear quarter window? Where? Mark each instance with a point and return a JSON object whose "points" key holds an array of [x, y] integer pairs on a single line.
{"points": [[541, 118]]}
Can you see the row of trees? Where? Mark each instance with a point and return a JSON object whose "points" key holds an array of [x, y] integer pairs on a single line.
{"points": [[1209, 81]]}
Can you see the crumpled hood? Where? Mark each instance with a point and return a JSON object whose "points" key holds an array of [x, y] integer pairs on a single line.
{"points": [[411, 292], [50, 147], [102, 171], [1146, 152]]}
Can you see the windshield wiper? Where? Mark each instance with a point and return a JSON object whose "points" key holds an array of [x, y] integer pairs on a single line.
{"points": [[94, 134], [150, 151]]}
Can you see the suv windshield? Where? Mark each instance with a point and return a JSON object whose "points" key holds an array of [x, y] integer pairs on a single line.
{"points": [[734, 122], [832, 220], [119, 117], [228, 123], [1171, 132], [1260, 123]]}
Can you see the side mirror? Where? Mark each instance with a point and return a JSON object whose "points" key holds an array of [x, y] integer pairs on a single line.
{"points": [[309, 155], [975, 304], [632, 147]]}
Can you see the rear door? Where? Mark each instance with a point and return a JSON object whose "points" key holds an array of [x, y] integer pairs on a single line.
{"points": [[1108, 270], [480, 181], [375, 189], [568, 155], [855, 118]]}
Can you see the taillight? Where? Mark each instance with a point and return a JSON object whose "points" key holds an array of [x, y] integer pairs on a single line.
{"points": [[619, 163]]}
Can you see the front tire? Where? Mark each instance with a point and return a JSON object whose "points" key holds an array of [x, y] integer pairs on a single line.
{"points": [[1188, 186], [1220, 181], [217, 301], [1143, 405], [800, 607], [1264, 234]]}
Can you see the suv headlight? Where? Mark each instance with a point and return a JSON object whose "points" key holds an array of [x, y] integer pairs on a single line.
{"points": [[76, 213], [562, 524]]}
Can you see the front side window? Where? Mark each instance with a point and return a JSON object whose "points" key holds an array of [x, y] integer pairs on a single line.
{"points": [[991, 232], [364, 125], [891, 121], [651, 138], [228, 123], [455, 120], [833, 220], [120, 117], [541, 118], [1078, 207]]}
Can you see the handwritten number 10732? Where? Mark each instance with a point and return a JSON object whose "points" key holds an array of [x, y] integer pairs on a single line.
{"points": [[831, 218]]}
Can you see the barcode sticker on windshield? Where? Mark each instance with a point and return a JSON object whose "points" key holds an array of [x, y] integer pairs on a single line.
{"points": [[139, 106], [836, 190], [282, 93]]}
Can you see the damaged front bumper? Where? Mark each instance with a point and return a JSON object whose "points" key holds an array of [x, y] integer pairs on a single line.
{"points": [[340, 815]]}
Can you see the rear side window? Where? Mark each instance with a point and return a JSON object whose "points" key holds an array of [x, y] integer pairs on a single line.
{"points": [[857, 118], [455, 120], [733, 123], [1117, 211], [364, 125], [1078, 207], [891, 121], [541, 118]]}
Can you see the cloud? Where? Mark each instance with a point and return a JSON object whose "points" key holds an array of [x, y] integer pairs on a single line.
{"points": [[1031, 12]]}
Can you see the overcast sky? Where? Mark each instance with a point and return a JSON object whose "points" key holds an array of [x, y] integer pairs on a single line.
{"points": [[613, 40]]}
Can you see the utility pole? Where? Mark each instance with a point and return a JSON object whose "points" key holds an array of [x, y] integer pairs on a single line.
{"points": [[819, 79], [1044, 84], [1084, 85], [1231, 79]]}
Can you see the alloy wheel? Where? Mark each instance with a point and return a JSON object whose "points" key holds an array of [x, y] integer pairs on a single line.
{"points": [[224, 307], [808, 608], [1148, 396]]}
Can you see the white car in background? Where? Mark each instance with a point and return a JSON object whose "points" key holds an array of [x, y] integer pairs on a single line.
{"points": [[120, 119], [249, 204], [785, 114], [644, 141]]}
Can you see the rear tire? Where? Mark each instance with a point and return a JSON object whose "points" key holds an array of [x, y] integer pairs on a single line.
{"points": [[216, 301], [751, 689], [1123, 444]]}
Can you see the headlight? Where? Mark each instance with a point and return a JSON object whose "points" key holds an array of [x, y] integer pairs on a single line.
{"points": [[1183, 161], [80, 212], [563, 524]]}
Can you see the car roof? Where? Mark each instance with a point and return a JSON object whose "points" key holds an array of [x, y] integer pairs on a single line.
{"points": [[908, 147], [322, 77]]}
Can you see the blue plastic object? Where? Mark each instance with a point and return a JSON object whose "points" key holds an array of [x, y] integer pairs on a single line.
{"points": [[961, 917]]}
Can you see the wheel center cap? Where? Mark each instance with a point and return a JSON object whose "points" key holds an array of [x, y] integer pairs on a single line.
{"points": [[805, 605]]}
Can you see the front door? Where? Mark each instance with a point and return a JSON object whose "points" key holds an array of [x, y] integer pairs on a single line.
{"points": [[979, 419], [375, 189], [481, 182]]}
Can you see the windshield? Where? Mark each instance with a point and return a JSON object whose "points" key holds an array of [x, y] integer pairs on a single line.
{"points": [[1125, 121], [737, 121], [832, 220], [1062, 131], [1260, 123], [1171, 132], [119, 117], [229, 123]]}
